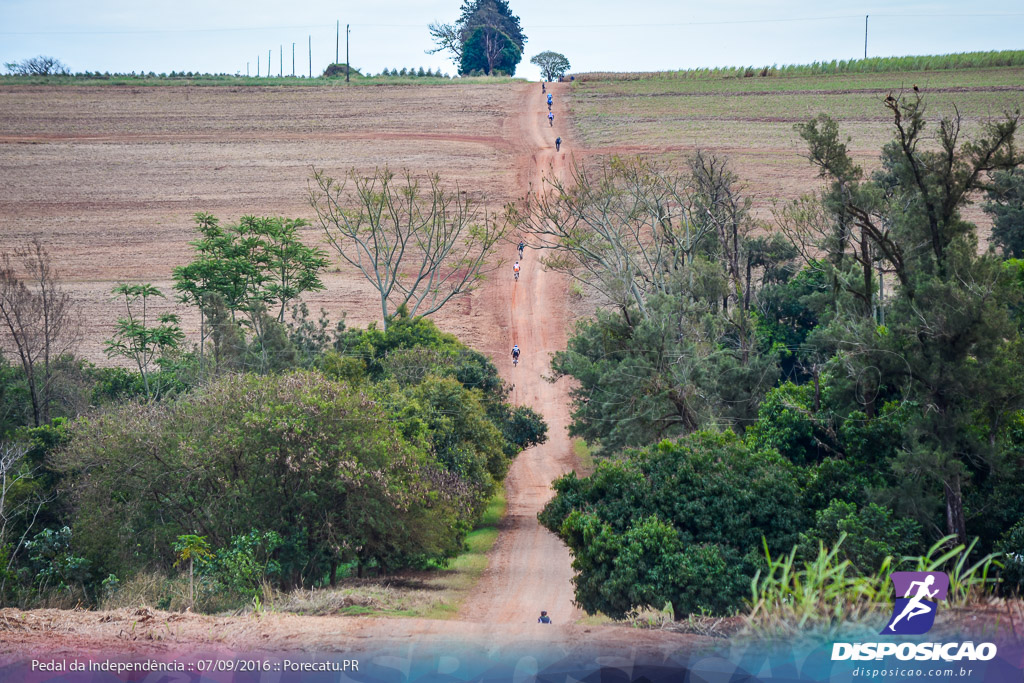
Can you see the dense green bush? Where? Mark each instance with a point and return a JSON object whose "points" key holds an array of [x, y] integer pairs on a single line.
{"points": [[869, 535], [308, 458], [681, 521]]}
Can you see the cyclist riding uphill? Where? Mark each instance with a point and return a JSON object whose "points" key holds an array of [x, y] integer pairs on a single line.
{"points": [[515, 353], [515, 270]]}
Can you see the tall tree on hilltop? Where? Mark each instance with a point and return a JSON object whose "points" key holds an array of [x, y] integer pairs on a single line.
{"points": [[487, 37]]}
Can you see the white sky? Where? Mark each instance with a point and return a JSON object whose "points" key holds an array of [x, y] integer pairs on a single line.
{"points": [[597, 35]]}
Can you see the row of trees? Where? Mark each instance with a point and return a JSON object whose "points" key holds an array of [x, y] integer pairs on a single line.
{"points": [[861, 349]]}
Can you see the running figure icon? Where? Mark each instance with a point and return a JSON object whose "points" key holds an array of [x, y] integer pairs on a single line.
{"points": [[916, 607]]}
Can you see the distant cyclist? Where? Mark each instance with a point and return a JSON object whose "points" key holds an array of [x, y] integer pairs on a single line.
{"points": [[515, 355], [551, 118], [558, 143], [549, 99], [544, 618], [522, 245], [515, 271], [542, 88]]}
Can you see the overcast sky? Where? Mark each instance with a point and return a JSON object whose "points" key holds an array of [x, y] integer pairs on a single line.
{"points": [[223, 36]]}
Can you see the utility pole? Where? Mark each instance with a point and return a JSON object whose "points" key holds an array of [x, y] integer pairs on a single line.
{"points": [[348, 67], [293, 60], [268, 63], [257, 66], [866, 36], [311, 56], [337, 39], [247, 69]]}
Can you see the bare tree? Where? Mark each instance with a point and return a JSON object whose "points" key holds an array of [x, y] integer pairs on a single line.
{"points": [[38, 66], [447, 37], [419, 246], [38, 321], [17, 508], [625, 229]]}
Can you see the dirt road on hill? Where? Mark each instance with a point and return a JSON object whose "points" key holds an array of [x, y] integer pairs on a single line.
{"points": [[529, 568]]}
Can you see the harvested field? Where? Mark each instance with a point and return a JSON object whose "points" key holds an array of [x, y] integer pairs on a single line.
{"points": [[751, 119], [110, 177]]}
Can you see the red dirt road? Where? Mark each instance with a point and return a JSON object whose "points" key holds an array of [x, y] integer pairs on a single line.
{"points": [[529, 567]]}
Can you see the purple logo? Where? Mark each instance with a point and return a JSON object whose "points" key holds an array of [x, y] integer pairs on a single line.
{"points": [[917, 598]]}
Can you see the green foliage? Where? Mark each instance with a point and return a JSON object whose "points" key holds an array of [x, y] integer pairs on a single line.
{"points": [[487, 38], [139, 341], [1006, 206], [244, 566], [869, 535], [339, 70], [827, 596], [1011, 549], [676, 370], [241, 272], [52, 562], [955, 61], [675, 521], [552, 65], [191, 548], [345, 488]]}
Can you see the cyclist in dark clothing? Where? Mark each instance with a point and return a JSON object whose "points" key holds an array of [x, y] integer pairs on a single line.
{"points": [[558, 143], [544, 618]]}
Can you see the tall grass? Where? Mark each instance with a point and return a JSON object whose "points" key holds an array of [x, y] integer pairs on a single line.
{"points": [[827, 596], [960, 60]]}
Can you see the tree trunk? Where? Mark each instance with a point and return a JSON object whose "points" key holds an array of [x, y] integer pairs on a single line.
{"points": [[955, 523]]}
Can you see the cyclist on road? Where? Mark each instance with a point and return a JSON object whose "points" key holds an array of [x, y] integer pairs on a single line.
{"points": [[558, 143], [551, 118], [542, 88], [549, 100], [522, 245], [515, 355], [544, 618], [515, 271]]}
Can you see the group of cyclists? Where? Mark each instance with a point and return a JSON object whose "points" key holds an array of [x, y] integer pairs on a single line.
{"points": [[551, 115], [515, 274]]}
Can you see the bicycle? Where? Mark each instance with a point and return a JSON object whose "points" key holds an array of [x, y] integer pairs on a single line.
{"points": [[517, 276], [515, 361]]}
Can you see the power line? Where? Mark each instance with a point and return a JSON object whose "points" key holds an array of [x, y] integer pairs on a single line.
{"points": [[726, 22]]}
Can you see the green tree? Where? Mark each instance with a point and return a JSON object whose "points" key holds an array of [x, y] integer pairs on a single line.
{"points": [[674, 523], [189, 548], [487, 37], [949, 345], [244, 270], [139, 341], [552, 64], [1006, 206]]}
